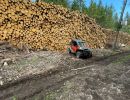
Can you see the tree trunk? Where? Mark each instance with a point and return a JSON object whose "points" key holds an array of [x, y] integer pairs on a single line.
{"points": [[119, 24]]}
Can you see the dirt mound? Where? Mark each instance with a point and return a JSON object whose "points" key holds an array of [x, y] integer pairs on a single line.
{"points": [[46, 26]]}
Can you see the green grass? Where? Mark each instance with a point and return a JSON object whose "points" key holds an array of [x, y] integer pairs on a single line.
{"points": [[14, 98], [122, 60], [50, 96]]}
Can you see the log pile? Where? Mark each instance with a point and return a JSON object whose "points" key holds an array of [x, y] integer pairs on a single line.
{"points": [[46, 26], [123, 38]]}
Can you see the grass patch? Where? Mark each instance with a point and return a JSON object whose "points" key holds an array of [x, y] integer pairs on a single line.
{"points": [[51, 96], [14, 98], [122, 60]]}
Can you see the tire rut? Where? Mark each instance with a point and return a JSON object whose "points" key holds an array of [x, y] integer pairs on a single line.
{"points": [[27, 87]]}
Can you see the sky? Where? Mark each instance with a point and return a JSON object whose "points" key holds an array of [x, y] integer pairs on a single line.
{"points": [[117, 4]]}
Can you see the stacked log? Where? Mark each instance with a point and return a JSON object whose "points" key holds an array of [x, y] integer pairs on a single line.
{"points": [[46, 26], [123, 38]]}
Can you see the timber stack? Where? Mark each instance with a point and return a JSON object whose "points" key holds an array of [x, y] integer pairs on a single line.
{"points": [[123, 38], [46, 26]]}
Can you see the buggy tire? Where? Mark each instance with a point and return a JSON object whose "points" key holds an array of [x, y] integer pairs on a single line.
{"points": [[78, 54], [90, 55], [69, 51]]}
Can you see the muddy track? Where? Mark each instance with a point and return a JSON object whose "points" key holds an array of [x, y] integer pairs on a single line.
{"points": [[27, 87]]}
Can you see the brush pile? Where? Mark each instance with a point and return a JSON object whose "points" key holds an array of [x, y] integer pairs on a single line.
{"points": [[123, 38]]}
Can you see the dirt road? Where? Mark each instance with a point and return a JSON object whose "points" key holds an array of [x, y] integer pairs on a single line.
{"points": [[106, 78]]}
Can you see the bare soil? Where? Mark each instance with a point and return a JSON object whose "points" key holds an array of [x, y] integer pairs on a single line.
{"points": [[46, 75]]}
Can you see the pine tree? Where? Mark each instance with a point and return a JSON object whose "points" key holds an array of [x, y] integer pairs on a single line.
{"points": [[127, 18], [84, 8], [116, 19], [101, 17], [119, 26], [109, 16], [92, 9], [126, 28], [75, 5]]}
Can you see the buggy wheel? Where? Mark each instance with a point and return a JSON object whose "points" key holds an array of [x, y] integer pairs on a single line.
{"points": [[78, 54], [69, 51], [90, 55]]}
